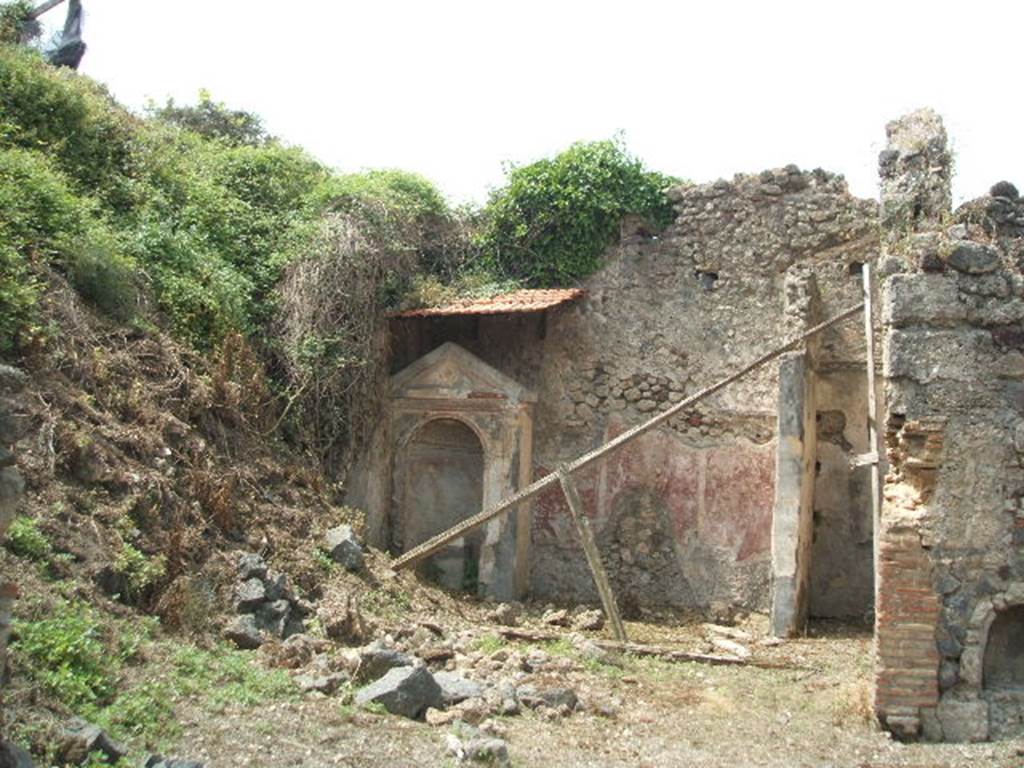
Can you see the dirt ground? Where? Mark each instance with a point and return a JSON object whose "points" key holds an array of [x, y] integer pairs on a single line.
{"points": [[650, 713]]}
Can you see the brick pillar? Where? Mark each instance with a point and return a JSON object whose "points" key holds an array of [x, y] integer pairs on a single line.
{"points": [[915, 171], [906, 677]]}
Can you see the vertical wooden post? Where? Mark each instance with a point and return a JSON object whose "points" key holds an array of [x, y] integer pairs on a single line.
{"points": [[593, 556], [874, 451]]}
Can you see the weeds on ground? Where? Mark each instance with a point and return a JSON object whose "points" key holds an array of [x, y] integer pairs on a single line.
{"points": [[25, 539], [68, 656], [386, 603], [138, 570], [488, 644], [224, 677]]}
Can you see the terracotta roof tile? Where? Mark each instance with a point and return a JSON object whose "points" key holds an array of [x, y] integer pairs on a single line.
{"points": [[535, 300]]}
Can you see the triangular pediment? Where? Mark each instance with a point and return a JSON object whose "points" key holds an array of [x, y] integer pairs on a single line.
{"points": [[451, 372]]}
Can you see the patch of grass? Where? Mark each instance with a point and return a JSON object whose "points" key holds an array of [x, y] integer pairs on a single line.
{"points": [[25, 539], [560, 647], [144, 712], [598, 667], [375, 708], [223, 677], [324, 562]]}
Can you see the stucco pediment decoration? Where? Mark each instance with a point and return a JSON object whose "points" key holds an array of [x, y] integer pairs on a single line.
{"points": [[450, 372]]}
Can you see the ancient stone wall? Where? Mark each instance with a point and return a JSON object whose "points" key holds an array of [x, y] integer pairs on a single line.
{"points": [[952, 536], [666, 316], [683, 515]]}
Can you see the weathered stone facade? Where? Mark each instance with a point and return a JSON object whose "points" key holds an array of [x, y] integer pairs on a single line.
{"points": [[951, 564], [683, 516]]}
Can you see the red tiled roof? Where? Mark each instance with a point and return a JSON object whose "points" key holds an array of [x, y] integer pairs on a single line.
{"points": [[536, 300]]}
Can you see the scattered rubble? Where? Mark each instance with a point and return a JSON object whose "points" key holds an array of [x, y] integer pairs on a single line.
{"points": [[342, 619], [505, 615], [557, 617], [266, 603], [588, 620], [475, 746]]}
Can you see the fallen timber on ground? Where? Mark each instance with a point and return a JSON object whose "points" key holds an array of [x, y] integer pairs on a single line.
{"points": [[657, 651]]}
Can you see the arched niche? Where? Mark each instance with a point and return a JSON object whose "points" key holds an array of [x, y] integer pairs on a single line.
{"points": [[435, 404], [439, 474], [1003, 666]]}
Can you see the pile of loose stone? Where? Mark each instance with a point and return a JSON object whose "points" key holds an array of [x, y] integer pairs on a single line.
{"points": [[266, 605], [81, 743], [265, 601], [418, 672], [424, 676]]}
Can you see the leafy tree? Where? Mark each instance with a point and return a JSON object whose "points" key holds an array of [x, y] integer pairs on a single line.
{"points": [[215, 120], [554, 218], [15, 21]]}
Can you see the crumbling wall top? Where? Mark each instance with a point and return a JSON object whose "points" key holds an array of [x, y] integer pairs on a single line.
{"points": [[915, 170]]}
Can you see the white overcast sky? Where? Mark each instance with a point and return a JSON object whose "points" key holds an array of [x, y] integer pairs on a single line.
{"points": [[701, 90]]}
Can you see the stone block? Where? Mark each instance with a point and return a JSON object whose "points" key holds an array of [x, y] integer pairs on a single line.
{"points": [[917, 298], [963, 721], [405, 691], [926, 356], [973, 258], [455, 688], [243, 632], [377, 659], [81, 739], [251, 566], [344, 548], [249, 595]]}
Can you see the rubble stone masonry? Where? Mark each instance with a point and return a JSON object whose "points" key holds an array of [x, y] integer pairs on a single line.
{"points": [[950, 559]]}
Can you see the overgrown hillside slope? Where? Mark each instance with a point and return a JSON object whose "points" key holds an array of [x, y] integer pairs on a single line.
{"points": [[190, 353]]}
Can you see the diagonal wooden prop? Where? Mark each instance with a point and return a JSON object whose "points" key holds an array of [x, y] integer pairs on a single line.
{"points": [[430, 546]]}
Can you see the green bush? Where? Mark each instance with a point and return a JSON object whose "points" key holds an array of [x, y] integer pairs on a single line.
{"points": [[13, 17], [74, 121], [551, 222], [103, 274], [389, 190], [19, 292], [138, 570], [214, 120], [43, 221], [67, 656], [26, 540]]}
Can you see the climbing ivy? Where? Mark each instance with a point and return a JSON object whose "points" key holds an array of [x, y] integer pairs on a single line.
{"points": [[554, 218]]}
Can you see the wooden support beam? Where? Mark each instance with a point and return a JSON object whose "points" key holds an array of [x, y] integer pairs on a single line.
{"points": [[604, 589], [430, 546], [42, 8]]}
